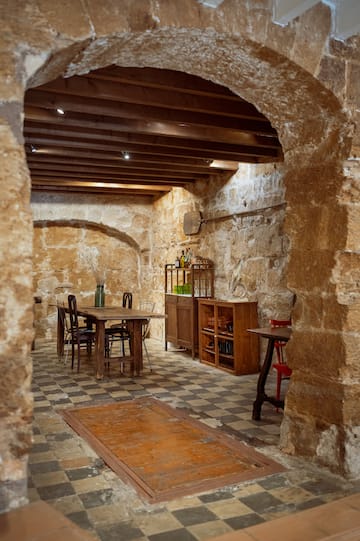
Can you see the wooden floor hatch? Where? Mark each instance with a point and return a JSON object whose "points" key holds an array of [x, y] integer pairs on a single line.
{"points": [[164, 452]]}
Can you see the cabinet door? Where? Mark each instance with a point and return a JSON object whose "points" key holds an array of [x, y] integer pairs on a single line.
{"points": [[247, 344], [171, 319], [185, 322]]}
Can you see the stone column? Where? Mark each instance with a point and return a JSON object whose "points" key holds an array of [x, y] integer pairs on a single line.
{"points": [[16, 315], [322, 416]]}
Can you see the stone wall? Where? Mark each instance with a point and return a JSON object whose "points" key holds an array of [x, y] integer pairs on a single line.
{"points": [[306, 83], [70, 259], [78, 244], [242, 235]]}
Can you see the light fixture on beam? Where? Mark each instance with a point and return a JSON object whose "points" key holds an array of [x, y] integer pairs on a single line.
{"points": [[126, 155], [33, 148], [225, 164], [60, 111]]}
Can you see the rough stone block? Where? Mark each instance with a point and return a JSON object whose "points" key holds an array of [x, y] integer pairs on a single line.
{"points": [[317, 352], [353, 86], [310, 270], [316, 396], [332, 73], [347, 276], [312, 29]]}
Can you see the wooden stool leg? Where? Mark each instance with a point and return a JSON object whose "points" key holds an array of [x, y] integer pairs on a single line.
{"points": [[278, 386]]}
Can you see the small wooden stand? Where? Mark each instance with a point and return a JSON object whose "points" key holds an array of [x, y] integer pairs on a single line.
{"points": [[223, 340]]}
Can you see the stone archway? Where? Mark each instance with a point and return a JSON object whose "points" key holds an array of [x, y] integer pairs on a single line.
{"points": [[240, 48], [61, 265], [79, 223]]}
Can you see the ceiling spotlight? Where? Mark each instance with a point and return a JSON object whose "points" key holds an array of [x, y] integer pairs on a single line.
{"points": [[60, 111], [126, 156], [33, 149]]}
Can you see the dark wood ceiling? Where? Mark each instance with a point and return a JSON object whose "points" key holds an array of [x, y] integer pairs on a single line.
{"points": [[176, 128]]}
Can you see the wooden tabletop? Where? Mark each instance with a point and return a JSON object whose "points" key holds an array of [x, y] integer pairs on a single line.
{"points": [[115, 312], [280, 333]]}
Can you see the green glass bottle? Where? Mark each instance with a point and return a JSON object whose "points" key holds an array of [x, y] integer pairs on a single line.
{"points": [[100, 295]]}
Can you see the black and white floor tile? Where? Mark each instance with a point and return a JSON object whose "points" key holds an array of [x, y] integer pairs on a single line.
{"points": [[66, 472]]}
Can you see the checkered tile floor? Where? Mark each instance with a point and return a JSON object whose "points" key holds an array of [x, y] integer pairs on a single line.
{"points": [[65, 471]]}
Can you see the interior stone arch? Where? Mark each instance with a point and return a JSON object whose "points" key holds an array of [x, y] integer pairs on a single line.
{"points": [[72, 256], [303, 136], [230, 47], [276, 85], [313, 128], [108, 230]]}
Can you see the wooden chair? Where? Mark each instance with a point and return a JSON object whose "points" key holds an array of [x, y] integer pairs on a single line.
{"points": [[281, 367], [80, 336], [127, 299], [119, 332]]}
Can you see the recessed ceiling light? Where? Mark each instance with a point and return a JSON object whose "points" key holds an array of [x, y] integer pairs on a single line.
{"points": [[60, 111]]}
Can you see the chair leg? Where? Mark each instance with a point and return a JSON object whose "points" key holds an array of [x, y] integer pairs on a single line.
{"points": [[72, 353], [78, 356], [65, 355], [67, 350], [147, 355], [121, 366]]}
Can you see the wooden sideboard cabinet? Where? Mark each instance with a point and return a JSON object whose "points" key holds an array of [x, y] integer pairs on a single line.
{"points": [[183, 288], [223, 338]]}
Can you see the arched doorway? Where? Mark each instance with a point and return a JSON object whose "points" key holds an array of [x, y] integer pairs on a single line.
{"points": [[70, 256], [313, 129]]}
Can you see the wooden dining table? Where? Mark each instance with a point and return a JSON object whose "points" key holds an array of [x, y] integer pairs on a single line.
{"points": [[99, 316], [282, 334]]}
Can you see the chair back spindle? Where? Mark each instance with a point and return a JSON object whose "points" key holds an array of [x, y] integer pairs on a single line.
{"points": [[127, 300]]}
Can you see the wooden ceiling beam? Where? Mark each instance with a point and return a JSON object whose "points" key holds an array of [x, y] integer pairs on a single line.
{"points": [[141, 127], [113, 189], [169, 80], [55, 163], [135, 171], [160, 98], [111, 164], [145, 153], [63, 151], [113, 159], [34, 128], [102, 179], [169, 119], [119, 185], [140, 153], [174, 125], [137, 150]]}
